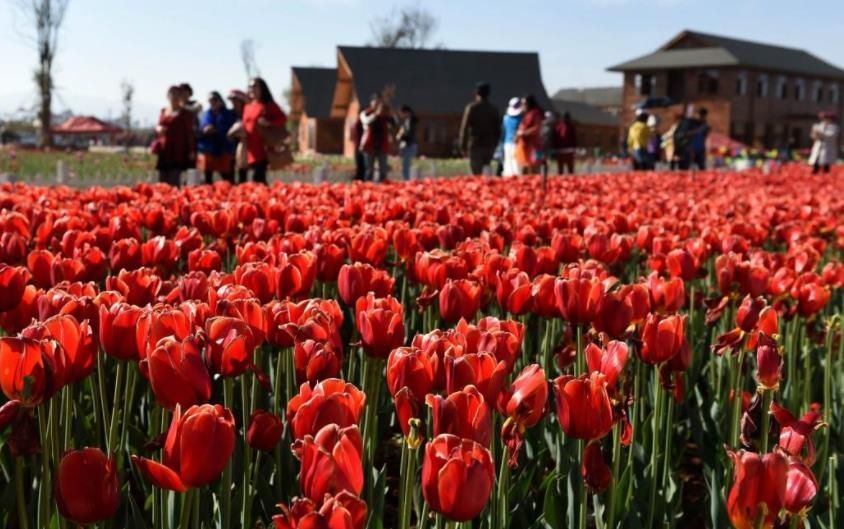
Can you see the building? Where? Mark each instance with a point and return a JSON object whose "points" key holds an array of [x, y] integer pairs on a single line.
{"points": [[606, 98], [596, 129], [759, 94], [311, 96], [82, 131], [436, 83]]}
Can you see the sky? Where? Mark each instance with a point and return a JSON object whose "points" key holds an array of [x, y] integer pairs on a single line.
{"points": [[155, 43]]}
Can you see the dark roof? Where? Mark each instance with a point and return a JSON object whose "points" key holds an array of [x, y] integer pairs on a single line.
{"points": [[716, 50], [599, 96], [317, 89], [584, 113], [443, 81]]}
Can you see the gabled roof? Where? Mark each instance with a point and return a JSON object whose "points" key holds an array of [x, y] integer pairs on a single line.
{"points": [[584, 113], [696, 49], [86, 125], [599, 96], [317, 89], [443, 81]]}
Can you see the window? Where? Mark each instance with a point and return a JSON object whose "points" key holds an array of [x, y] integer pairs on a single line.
{"points": [[645, 84], [741, 84], [782, 87], [817, 91], [762, 86], [799, 90], [707, 82], [833, 93]]}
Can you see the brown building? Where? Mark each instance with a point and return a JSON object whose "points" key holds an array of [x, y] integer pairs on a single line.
{"points": [[311, 95], [759, 94], [606, 98], [596, 129], [436, 83]]}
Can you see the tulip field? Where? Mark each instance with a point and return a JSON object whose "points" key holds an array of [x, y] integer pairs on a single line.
{"points": [[634, 350]]}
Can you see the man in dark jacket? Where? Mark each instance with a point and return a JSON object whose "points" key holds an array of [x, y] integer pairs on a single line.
{"points": [[480, 130]]}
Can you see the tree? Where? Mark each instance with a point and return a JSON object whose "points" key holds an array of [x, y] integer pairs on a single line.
{"points": [[247, 55], [44, 18], [408, 27], [127, 90]]}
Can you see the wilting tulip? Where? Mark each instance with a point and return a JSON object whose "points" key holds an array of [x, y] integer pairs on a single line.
{"points": [[410, 367], [801, 487], [12, 284], [330, 462], [595, 471], [316, 361], [177, 373], [768, 367], [609, 361], [341, 511], [31, 371], [332, 401], [118, 330], [525, 400], [199, 445], [758, 489], [747, 315], [87, 488], [380, 322], [231, 346], [264, 431], [583, 406], [663, 338], [451, 467], [578, 299], [463, 413], [796, 434], [356, 280], [460, 298]]}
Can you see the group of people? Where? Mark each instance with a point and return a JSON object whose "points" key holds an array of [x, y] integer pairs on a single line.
{"points": [[373, 134], [682, 146], [232, 140], [524, 141]]}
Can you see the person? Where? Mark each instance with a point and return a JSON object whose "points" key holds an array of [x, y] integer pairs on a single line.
{"points": [[377, 123], [240, 165], [549, 140], [215, 149], [638, 136], [406, 137], [528, 138], [480, 130], [356, 134], [699, 131], [174, 144], [567, 144], [654, 141], [825, 147], [668, 144], [509, 130], [260, 116]]}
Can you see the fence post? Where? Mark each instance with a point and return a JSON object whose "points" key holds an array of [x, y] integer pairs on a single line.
{"points": [[61, 172]]}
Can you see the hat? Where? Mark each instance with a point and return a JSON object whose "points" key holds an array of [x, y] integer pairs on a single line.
{"points": [[514, 107], [237, 95]]}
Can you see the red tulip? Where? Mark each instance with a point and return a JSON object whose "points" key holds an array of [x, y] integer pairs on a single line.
{"points": [[639, 298], [796, 434], [747, 315], [260, 278], [139, 287], [369, 246], [231, 346], [380, 323], [32, 370], [296, 275], [451, 467], [463, 413], [330, 461], [118, 330], [615, 312], [316, 361], [459, 299], [206, 261], [681, 264], [177, 373], [12, 283], [125, 254], [801, 487], [578, 299], [341, 511], [666, 295], [768, 367], [663, 338], [410, 367], [595, 471], [525, 400], [513, 291], [264, 431], [543, 300], [161, 322], [609, 361], [481, 370], [357, 279], [199, 444], [14, 320], [76, 340], [87, 487], [583, 406], [332, 401], [758, 489]]}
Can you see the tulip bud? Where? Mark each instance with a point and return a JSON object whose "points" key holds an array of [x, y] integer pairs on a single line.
{"points": [[768, 367], [264, 431]]}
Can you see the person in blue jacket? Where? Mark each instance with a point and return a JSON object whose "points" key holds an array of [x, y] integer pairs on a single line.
{"points": [[216, 150]]}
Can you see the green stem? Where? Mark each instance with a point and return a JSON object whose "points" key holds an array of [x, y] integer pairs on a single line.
{"points": [[767, 397], [827, 386], [666, 434], [119, 396], [616, 467], [20, 494], [502, 501], [580, 362], [187, 508], [246, 406], [655, 444], [129, 394], [279, 410], [44, 486], [407, 484], [101, 392], [738, 390], [372, 383], [584, 493], [226, 481]]}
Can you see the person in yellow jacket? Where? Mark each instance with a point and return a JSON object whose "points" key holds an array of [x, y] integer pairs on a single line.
{"points": [[638, 136]]}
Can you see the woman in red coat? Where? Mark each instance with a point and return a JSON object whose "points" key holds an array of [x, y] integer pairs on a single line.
{"points": [[175, 142], [260, 114]]}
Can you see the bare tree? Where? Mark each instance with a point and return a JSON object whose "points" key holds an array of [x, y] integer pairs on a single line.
{"points": [[127, 91], [247, 55], [408, 27], [44, 19]]}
